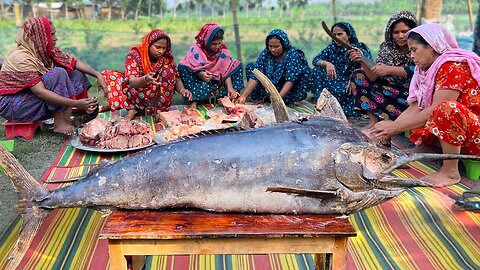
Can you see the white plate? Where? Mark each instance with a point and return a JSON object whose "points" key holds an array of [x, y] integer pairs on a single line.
{"points": [[76, 143]]}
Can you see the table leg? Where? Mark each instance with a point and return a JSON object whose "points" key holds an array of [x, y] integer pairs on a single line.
{"points": [[138, 262], [319, 261], [117, 259], [339, 258]]}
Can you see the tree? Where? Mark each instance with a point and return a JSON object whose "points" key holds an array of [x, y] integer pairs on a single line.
{"points": [[175, 5], [137, 10], [431, 9]]}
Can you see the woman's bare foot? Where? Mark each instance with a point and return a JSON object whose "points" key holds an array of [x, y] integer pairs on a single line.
{"points": [[64, 127], [130, 115], [61, 125], [444, 177]]}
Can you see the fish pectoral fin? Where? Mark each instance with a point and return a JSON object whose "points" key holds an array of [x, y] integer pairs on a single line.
{"points": [[103, 164], [323, 194]]}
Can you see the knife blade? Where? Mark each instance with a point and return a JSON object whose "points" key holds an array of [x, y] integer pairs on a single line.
{"points": [[369, 62]]}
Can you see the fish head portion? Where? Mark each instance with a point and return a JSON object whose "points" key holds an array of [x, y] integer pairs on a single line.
{"points": [[357, 166], [362, 167]]}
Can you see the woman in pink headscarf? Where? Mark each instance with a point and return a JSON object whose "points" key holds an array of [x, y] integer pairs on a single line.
{"points": [[208, 64], [444, 99]]}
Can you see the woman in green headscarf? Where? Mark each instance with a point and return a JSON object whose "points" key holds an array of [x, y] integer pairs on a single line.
{"points": [[333, 67], [285, 66]]}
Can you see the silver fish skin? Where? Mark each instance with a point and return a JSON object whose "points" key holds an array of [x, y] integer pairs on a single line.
{"points": [[231, 172]]}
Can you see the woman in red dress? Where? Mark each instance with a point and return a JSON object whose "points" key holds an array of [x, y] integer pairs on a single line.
{"points": [[150, 79], [444, 99]]}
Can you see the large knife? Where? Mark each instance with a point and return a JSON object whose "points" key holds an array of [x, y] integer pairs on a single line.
{"points": [[367, 61]]}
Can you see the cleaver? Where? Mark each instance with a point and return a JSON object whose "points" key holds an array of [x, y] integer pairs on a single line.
{"points": [[369, 62]]}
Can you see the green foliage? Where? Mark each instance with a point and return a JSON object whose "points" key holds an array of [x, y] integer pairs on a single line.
{"points": [[103, 44]]}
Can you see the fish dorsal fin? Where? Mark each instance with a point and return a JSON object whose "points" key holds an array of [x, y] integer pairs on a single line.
{"points": [[328, 106], [322, 194], [278, 106]]}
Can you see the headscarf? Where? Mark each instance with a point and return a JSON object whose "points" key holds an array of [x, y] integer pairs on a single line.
{"points": [[143, 48], [442, 42], [338, 50], [33, 57], [200, 58], [389, 52], [266, 63]]}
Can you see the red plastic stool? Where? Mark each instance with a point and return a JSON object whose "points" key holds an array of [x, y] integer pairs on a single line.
{"points": [[25, 130]]}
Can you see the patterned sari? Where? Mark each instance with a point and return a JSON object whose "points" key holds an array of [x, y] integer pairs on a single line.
{"points": [[453, 121], [137, 63]]}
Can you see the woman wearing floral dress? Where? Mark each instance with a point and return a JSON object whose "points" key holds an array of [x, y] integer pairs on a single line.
{"points": [[150, 79], [381, 91], [444, 100]]}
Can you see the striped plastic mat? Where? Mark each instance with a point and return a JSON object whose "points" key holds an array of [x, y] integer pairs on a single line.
{"points": [[416, 230]]}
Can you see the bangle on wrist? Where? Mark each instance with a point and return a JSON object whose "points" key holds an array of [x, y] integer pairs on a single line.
{"points": [[145, 79]]}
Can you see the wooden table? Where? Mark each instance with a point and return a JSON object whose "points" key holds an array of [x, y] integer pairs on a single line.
{"points": [[140, 233]]}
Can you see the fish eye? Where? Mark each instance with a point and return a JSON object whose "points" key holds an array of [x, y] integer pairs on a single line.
{"points": [[386, 158]]}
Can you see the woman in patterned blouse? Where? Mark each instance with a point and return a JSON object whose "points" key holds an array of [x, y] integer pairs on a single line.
{"points": [[333, 67], [208, 69], [285, 66], [381, 91], [150, 77], [444, 99]]}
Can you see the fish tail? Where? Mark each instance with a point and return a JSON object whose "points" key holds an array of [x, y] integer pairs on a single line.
{"points": [[30, 192], [27, 187]]}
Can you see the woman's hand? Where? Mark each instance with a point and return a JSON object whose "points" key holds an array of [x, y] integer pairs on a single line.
{"points": [[232, 94], [186, 94], [102, 85], [205, 76], [380, 69], [356, 54], [241, 99], [150, 78], [382, 130], [87, 104], [331, 72]]}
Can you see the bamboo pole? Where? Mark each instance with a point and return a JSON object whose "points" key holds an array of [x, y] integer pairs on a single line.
{"points": [[470, 14]]}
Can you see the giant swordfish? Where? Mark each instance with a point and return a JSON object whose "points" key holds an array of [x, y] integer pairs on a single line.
{"points": [[318, 165]]}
